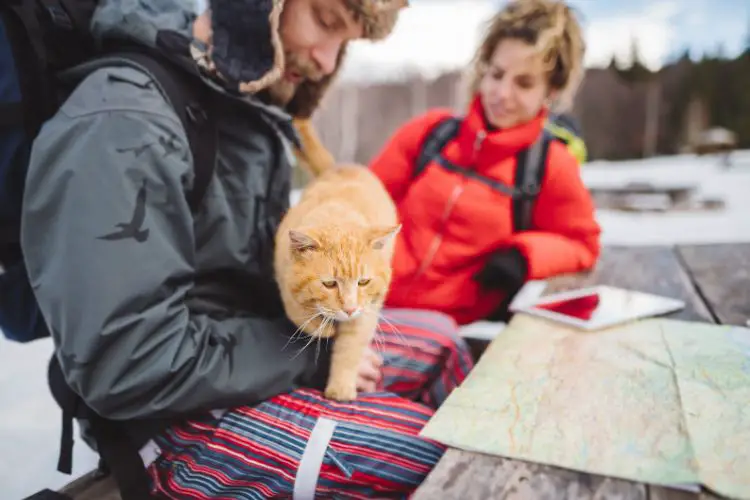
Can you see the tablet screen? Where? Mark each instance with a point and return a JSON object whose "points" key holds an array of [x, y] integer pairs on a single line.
{"points": [[582, 307]]}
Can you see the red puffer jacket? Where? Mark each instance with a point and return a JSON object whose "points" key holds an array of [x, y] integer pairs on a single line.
{"points": [[453, 223]]}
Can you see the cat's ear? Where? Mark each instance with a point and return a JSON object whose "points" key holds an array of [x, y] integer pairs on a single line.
{"points": [[300, 241], [380, 236]]}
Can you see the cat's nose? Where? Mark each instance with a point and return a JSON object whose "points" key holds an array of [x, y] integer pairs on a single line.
{"points": [[350, 311]]}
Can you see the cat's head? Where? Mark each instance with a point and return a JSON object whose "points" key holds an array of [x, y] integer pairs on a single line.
{"points": [[340, 273]]}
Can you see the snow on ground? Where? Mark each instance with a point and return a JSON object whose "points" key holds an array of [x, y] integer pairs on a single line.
{"points": [[30, 424], [30, 420], [732, 224]]}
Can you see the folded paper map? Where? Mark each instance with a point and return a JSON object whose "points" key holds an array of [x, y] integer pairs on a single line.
{"points": [[657, 401]]}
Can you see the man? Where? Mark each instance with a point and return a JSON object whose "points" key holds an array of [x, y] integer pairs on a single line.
{"points": [[173, 313]]}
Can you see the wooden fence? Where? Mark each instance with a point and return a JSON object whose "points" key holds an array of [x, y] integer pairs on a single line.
{"points": [[354, 121], [619, 119]]}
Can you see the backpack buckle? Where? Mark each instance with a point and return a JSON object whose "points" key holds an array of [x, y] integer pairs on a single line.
{"points": [[527, 192]]}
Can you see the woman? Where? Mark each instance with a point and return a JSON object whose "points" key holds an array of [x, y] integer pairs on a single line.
{"points": [[457, 251]]}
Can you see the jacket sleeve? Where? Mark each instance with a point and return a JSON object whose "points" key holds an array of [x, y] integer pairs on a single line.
{"points": [[116, 305], [566, 234], [395, 163]]}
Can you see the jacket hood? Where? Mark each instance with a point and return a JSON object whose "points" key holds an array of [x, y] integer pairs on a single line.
{"points": [[248, 67], [141, 20]]}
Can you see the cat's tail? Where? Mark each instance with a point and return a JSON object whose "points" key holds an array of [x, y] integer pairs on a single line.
{"points": [[313, 156]]}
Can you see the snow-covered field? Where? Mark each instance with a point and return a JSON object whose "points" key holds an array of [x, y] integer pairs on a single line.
{"points": [[30, 420], [732, 224]]}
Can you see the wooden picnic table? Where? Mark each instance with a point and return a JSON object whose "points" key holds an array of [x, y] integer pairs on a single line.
{"points": [[634, 196], [713, 280]]}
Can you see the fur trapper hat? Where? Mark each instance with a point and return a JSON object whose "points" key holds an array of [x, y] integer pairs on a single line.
{"points": [[258, 61]]}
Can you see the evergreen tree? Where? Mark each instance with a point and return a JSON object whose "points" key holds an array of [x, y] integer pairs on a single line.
{"points": [[637, 71]]}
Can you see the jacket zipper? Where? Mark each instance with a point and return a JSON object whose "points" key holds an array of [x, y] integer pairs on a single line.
{"points": [[457, 191]]}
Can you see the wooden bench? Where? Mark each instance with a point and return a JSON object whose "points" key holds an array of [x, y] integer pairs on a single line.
{"points": [[714, 281], [640, 196], [716, 141]]}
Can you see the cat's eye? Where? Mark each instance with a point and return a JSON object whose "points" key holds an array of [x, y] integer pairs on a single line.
{"points": [[329, 283], [364, 282]]}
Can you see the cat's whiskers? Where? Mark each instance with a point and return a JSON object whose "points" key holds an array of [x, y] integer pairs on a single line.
{"points": [[327, 313], [299, 329], [310, 341], [396, 331], [326, 321], [315, 337]]}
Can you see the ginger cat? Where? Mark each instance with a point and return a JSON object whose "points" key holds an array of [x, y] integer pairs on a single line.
{"points": [[333, 265]]}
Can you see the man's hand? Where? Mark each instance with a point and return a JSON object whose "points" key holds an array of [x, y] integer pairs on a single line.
{"points": [[369, 373]]}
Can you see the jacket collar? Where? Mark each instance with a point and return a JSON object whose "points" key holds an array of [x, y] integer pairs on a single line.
{"points": [[481, 146]]}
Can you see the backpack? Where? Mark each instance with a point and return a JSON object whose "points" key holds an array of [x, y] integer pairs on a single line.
{"points": [[38, 39], [567, 130], [530, 167]]}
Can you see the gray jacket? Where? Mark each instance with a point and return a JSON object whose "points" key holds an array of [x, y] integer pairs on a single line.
{"points": [[173, 313]]}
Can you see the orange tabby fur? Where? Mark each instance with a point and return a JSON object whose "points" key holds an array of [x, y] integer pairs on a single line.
{"points": [[313, 155], [333, 265]]}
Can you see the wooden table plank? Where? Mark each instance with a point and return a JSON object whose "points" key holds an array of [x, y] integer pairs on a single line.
{"points": [[92, 486], [468, 475], [474, 476], [721, 274]]}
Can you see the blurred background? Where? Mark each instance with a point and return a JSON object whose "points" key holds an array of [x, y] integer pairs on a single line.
{"points": [[664, 106], [665, 112], [659, 73]]}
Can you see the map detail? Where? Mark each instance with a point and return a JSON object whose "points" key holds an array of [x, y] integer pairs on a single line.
{"points": [[658, 401]]}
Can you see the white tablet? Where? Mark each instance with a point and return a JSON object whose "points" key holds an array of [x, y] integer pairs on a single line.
{"points": [[599, 306]]}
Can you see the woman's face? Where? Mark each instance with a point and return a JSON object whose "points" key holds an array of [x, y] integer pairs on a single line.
{"points": [[515, 85]]}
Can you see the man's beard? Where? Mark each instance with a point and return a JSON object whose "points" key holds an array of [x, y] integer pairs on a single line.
{"points": [[281, 92]]}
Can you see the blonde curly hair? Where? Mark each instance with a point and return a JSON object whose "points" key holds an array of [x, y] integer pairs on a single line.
{"points": [[552, 28]]}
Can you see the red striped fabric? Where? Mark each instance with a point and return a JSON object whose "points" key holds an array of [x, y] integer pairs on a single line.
{"points": [[375, 451]]}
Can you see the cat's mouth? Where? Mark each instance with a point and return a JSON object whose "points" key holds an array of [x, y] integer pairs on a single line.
{"points": [[341, 315], [344, 316]]}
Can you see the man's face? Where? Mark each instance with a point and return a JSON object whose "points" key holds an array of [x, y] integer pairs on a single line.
{"points": [[312, 33]]}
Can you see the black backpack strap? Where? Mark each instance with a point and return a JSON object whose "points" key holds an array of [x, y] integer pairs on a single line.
{"points": [[122, 458], [531, 164], [120, 455], [69, 403], [191, 100], [438, 136]]}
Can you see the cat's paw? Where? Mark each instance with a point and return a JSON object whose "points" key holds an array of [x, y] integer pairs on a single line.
{"points": [[341, 392]]}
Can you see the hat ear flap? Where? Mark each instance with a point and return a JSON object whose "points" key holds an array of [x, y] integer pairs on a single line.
{"points": [[244, 32]]}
